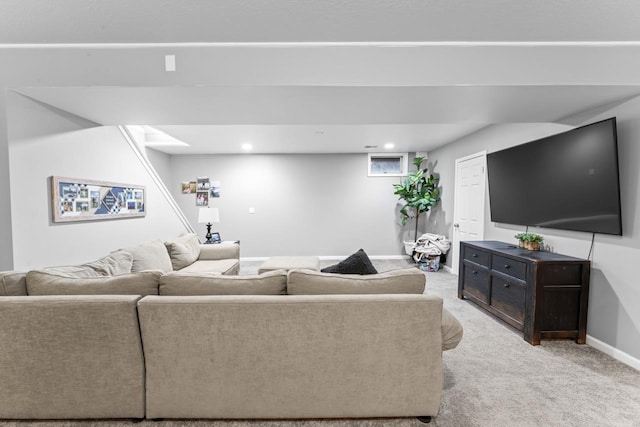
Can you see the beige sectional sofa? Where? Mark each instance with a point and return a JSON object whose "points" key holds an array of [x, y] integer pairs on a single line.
{"points": [[297, 344]]}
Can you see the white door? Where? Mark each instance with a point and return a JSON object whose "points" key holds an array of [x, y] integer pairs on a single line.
{"points": [[468, 209]]}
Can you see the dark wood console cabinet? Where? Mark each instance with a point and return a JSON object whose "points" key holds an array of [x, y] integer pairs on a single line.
{"points": [[542, 294]]}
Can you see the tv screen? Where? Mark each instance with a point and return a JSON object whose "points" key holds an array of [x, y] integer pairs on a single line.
{"points": [[567, 181]]}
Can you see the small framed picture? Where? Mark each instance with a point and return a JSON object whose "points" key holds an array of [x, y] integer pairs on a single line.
{"points": [[215, 237]]}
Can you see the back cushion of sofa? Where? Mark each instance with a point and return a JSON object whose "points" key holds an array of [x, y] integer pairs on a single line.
{"points": [[270, 283], [45, 282], [183, 251], [12, 283], [150, 256], [401, 281]]}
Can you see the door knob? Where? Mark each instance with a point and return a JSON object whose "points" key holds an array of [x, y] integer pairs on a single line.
{"points": [[456, 225]]}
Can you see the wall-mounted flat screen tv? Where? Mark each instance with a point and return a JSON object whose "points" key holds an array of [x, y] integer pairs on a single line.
{"points": [[568, 181]]}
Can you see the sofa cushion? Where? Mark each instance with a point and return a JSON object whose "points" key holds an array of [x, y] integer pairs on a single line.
{"points": [[183, 251], [223, 266], [401, 281], [114, 264], [224, 250], [179, 283], [12, 283], [46, 282], [150, 256], [357, 263], [290, 263]]}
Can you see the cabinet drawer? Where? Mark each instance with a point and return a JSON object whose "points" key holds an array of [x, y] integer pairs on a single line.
{"points": [[562, 274], [476, 282], [508, 297], [509, 267], [479, 257]]}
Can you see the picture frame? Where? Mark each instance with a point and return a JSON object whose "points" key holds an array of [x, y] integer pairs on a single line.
{"points": [[202, 198], [215, 237], [77, 199]]}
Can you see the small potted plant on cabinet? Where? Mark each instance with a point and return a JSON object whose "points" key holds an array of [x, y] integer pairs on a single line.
{"points": [[530, 241]]}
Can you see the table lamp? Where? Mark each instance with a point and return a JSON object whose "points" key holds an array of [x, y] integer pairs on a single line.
{"points": [[208, 216]]}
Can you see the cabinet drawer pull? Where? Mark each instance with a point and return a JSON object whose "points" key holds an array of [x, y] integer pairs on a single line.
{"points": [[474, 272], [507, 266], [506, 285], [474, 255]]}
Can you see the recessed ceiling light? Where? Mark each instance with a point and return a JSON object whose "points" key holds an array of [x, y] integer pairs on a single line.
{"points": [[247, 146], [389, 145]]}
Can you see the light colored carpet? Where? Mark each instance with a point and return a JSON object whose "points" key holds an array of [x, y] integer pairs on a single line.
{"points": [[493, 378]]}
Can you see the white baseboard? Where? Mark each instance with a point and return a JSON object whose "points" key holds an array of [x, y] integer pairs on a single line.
{"points": [[253, 258], [614, 352], [449, 269], [400, 257]]}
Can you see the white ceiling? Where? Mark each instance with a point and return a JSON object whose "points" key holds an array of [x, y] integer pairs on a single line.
{"points": [[256, 21], [325, 116]]}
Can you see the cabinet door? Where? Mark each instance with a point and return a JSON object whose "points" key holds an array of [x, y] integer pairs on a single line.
{"points": [[508, 297], [476, 282]]}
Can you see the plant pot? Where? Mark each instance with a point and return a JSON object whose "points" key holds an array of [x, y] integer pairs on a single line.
{"points": [[532, 246], [408, 247], [521, 243]]}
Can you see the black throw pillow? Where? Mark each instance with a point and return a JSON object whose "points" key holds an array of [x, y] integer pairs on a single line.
{"points": [[358, 263]]}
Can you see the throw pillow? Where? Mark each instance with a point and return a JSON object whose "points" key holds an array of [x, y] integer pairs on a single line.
{"points": [[47, 283], [183, 251], [401, 281], [76, 271], [115, 264], [178, 283], [150, 256], [357, 263]]}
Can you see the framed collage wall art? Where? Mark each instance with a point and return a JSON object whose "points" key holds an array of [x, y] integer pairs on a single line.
{"points": [[86, 200], [203, 188]]}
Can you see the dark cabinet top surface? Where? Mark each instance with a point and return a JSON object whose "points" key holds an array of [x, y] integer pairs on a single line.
{"points": [[507, 249]]}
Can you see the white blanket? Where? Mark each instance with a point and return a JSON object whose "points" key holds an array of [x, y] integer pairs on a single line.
{"points": [[431, 245]]}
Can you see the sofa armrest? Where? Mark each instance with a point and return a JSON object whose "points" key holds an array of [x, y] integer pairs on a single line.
{"points": [[13, 283], [226, 250]]}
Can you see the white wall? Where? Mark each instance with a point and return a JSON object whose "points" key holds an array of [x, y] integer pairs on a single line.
{"points": [[44, 142], [614, 297], [491, 138], [304, 204], [161, 162], [6, 251]]}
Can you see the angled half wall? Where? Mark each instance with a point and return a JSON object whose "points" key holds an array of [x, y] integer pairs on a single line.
{"points": [[45, 141]]}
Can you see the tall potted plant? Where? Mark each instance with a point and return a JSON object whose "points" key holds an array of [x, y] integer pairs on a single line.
{"points": [[419, 192]]}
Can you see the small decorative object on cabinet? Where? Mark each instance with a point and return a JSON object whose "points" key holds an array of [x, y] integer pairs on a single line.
{"points": [[209, 216], [530, 241], [542, 294]]}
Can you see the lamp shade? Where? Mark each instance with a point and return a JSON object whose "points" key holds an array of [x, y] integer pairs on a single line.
{"points": [[208, 215]]}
